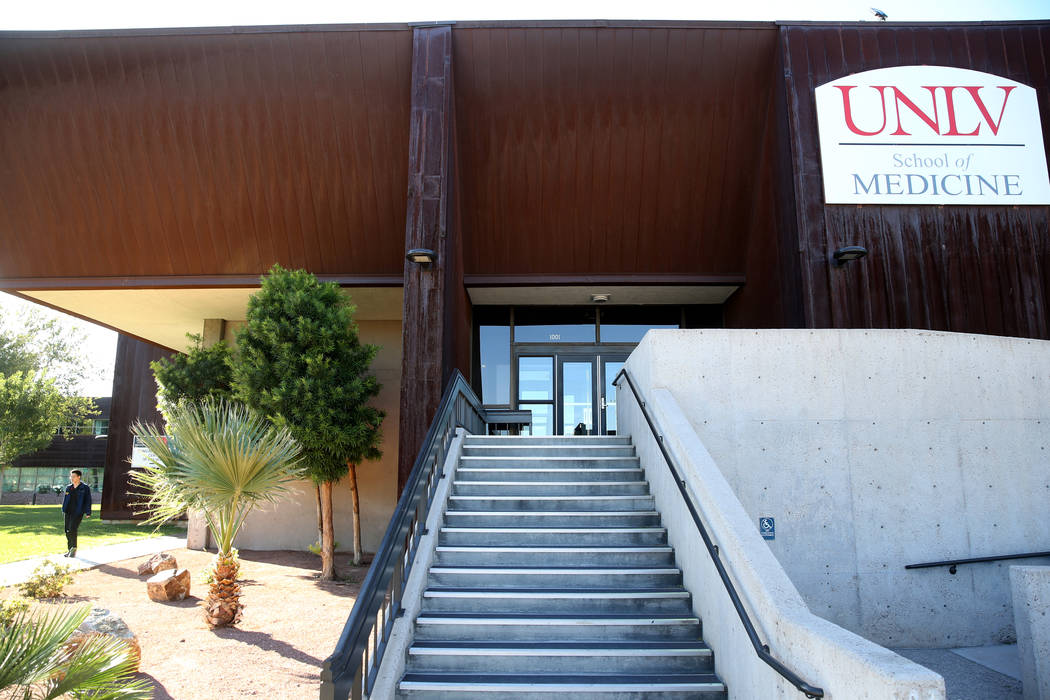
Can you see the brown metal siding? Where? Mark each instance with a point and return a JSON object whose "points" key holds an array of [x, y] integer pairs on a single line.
{"points": [[614, 150], [203, 154], [134, 398], [956, 268]]}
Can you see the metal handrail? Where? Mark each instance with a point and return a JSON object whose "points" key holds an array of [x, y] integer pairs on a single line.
{"points": [[351, 669], [953, 563], [761, 649]]}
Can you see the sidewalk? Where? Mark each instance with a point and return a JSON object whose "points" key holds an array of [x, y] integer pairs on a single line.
{"points": [[18, 571]]}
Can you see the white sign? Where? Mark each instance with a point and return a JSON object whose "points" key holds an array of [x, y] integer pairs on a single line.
{"points": [[931, 135], [142, 456]]}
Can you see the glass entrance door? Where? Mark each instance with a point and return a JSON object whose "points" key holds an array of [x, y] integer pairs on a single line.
{"points": [[576, 400], [569, 393], [610, 367]]}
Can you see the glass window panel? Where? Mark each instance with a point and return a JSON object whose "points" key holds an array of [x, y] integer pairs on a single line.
{"points": [[535, 378], [629, 333], [611, 370], [577, 397], [627, 324], [495, 364], [538, 324], [542, 417], [28, 479]]}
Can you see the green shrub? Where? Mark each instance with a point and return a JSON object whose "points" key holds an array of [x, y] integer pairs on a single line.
{"points": [[47, 580], [9, 609], [315, 548]]}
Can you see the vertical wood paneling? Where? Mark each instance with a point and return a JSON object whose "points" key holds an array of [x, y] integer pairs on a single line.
{"points": [[203, 154], [610, 150], [134, 399], [967, 269]]}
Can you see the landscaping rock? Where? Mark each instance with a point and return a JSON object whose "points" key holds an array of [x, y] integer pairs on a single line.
{"points": [[157, 563], [102, 622], [173, 584]]}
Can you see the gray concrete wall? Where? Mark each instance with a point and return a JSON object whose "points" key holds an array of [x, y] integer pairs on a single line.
{"points": [[872, 450], [1031, 598]]}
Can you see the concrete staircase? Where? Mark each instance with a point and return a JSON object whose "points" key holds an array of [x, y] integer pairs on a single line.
{"points": [[553, 578]]}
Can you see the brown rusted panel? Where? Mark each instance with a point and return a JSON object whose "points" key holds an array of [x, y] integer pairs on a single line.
{"points": [[605, 149], [134, 399], [967, 269], [203, 154]]}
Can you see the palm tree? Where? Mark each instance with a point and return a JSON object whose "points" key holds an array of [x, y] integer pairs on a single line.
{"points": [[222, 459], [35, 661]]}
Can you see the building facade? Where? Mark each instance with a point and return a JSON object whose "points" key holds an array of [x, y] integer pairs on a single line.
{"points": [[576, 182]]}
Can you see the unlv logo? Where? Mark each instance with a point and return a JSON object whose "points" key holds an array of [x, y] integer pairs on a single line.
{"points": [[930, 135], [939, 108]]}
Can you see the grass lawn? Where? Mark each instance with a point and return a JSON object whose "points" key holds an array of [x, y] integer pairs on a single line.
{"points": [[31, 531]]}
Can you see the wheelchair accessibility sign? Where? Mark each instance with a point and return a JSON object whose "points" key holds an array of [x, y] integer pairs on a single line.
{"points": [[768, 528]]}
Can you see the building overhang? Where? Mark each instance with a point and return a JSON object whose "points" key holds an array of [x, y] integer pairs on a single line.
{"points": [[165, 316]]}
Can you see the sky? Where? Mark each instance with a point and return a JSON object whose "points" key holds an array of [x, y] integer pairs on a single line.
{"points": [[100, 344], [114, 14]]}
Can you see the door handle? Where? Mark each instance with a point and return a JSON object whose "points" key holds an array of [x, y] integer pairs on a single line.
{"points": [[603, 403]]}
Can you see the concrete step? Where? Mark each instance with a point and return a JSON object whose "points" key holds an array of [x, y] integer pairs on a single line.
{"points": [[591, 601], [495, 577], [525, 536], [550, 474], [564, 440], [594, 556], [549, 462], [523, 502], [561, 657], [451, 686], [574, 627], [531, 489], [573, 519], [569, 450]]}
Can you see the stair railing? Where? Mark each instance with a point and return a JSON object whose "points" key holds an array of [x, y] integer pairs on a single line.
{"points": [[351, 669], [761, 649], [953, 564]]}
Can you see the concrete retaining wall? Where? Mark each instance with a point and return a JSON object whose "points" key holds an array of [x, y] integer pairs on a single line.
{"points": [[872, 450], [1031, 596], [844, 665]]}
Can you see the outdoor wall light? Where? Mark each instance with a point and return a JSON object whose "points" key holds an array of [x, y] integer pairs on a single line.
{"points": [[421, 256], [599, 298], [848, 254]]}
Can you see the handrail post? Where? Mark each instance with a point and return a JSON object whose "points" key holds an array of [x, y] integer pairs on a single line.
{"points": [[761, 649]]}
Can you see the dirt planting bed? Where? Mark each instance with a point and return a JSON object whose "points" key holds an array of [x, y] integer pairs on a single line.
{"points": [[290, 625]]}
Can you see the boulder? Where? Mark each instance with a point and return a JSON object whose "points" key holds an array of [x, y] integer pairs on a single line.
{"points": [[157, 563], [102, 622], [173, 584]]}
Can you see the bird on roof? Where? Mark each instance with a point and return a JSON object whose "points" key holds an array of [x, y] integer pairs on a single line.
{"points": [[879, 13]]}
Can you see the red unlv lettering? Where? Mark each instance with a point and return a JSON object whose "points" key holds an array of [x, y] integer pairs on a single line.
{"points": [[930, 117]]}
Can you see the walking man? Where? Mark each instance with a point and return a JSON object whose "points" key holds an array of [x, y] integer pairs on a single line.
{"points": [[76, 505]]}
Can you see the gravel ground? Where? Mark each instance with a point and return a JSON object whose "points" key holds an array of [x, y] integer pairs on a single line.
{"points": [[290, 625]]}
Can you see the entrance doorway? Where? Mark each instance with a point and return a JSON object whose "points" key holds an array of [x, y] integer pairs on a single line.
{"points": [[569, 392]]}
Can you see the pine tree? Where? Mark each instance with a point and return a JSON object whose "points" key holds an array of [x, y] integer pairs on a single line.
{"points": [[301, 364]]}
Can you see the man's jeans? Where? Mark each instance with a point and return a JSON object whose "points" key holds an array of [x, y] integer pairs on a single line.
{"points": [[72, 523]]}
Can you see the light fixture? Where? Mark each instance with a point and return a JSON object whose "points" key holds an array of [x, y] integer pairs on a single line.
{"points": [[848, 254], [421, 256], [599, 298]]}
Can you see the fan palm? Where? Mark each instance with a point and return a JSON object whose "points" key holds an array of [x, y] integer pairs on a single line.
{"points": [[36, 663], [222, 459]]}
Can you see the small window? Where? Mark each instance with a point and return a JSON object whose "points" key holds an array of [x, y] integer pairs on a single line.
{"points": [[553, 324]]}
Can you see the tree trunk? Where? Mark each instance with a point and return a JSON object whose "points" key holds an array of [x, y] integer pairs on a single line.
{"points": [[357, 512], [327, 534], [320, 519]]}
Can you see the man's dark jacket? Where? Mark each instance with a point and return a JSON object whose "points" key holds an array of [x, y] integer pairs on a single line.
{"points": [[77, 500]]}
